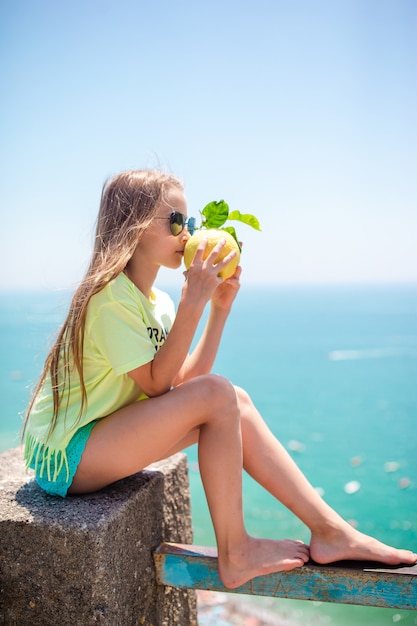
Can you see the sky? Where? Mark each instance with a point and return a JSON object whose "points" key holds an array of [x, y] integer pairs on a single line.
{"points": [[302, 113]]}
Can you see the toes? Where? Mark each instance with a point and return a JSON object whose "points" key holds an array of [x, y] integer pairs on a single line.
{"points": [[407, 556]]}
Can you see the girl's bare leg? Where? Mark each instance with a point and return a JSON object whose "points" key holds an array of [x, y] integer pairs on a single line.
{"points": [[204, 409], [332, 539]]}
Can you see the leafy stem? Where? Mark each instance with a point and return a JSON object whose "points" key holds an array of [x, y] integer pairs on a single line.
{"points": [[215, 214]]}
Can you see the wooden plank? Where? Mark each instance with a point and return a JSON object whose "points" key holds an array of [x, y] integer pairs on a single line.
{"points": [[347, 582]]}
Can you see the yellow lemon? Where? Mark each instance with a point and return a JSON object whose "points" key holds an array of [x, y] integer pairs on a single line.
{"points": [[213, 237]]}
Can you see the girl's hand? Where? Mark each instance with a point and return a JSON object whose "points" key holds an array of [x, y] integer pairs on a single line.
{"points": [[202, 280], [201, 286], [226, 292]]}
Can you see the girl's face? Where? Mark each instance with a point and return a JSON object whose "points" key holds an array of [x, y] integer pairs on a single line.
{"points": [[158, 245]]}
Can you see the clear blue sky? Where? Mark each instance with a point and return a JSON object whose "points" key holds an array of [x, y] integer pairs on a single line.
{"points": [[301, 112]]}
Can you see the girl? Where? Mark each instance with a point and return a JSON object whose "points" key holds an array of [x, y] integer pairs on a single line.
{"points": [[120, 390]]}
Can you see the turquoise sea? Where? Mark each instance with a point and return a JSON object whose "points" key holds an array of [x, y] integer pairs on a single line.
{"points": [[334, 372]]}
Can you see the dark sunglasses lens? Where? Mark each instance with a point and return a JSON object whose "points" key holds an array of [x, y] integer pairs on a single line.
{"points": [[177, 223]]}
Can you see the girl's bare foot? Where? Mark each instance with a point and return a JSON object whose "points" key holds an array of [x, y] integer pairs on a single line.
{"points": [[259, 557], [346, 543]]}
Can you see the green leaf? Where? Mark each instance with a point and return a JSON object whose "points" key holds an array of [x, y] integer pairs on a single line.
{"points": [[215, 214], [246, 218], [231, 231]]}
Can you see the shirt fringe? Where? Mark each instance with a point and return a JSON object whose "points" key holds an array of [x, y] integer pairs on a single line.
{"points": [[42, 458]]}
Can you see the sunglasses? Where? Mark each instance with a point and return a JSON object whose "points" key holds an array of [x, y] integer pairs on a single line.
{"points": [[177, 223]]}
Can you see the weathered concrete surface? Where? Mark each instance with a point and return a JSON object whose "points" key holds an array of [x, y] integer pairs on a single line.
{"points": [[88, 560]]}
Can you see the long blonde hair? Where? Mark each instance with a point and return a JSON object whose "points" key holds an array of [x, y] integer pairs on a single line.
{"points": [[128, 204]]}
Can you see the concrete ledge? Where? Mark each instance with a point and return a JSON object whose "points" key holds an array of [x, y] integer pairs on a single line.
{"points": [[88, 560]]}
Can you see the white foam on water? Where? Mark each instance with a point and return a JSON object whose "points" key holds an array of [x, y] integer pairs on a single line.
{"points": [[371, 353], [352, 487]]}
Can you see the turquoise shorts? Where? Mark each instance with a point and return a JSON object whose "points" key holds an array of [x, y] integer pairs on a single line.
{"points": [[74, 451]]}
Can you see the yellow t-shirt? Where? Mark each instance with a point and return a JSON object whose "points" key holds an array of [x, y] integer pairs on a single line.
{"points": [[123, 331]]}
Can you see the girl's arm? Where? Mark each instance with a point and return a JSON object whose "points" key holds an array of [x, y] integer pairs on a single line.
{"points": [[160, 374], [202, 358]]}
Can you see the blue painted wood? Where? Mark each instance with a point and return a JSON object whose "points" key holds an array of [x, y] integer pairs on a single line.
{"points": [[367, 584]]}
